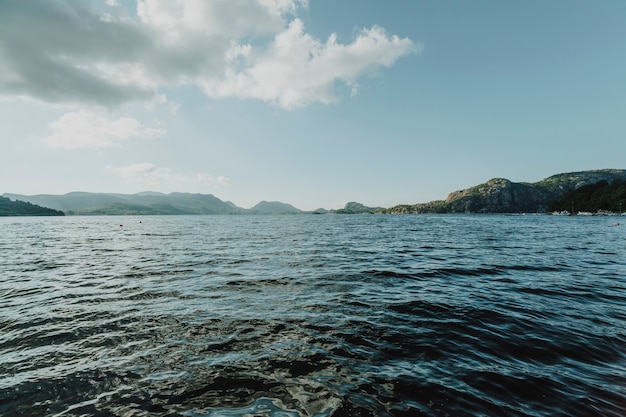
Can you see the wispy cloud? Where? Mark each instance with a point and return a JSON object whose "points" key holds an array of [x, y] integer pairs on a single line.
{"points": [[71, 52], [85, 129], [150, 174]]}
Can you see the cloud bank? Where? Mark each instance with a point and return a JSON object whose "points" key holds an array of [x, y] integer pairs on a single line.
{"points": [[73, 52]]}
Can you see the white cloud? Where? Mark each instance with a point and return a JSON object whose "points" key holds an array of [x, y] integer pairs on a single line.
{"points": [[68, 52], [85, 129], [150, 174], [297, 69]]}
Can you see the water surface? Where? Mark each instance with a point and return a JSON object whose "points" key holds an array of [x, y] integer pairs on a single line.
{"points": [[313, 316]]}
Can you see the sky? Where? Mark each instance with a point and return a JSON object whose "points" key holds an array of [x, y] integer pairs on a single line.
{"points": [[310, 102]]}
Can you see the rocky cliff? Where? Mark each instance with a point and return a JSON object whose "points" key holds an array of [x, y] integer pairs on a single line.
{"points": [[500, 195]]}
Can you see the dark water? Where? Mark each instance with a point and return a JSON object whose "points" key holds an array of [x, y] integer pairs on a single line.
{"points": [[313, 316]]}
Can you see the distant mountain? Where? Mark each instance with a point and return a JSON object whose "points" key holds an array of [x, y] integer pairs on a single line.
{"points": [[114, 208], [146, 203], [358, 208], [22, 208], [500, 195], [149, 203], [274, 207]]}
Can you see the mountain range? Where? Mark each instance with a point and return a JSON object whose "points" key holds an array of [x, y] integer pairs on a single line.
{"points": [[497, 195], [145, 203]]}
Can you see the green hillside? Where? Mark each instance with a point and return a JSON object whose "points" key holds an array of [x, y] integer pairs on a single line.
{"points": [[594, 197], [21, 208]]}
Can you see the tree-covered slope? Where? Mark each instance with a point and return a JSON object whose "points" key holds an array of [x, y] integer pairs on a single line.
{"points": [[594, 197], [22, 208]]}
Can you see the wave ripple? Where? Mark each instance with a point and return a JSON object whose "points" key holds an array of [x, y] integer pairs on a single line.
{"points": [[292, 316]]}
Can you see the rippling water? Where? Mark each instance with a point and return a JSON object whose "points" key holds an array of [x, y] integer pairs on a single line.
{"points": [[313, 316]]}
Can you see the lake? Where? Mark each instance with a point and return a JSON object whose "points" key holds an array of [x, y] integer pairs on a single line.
{"points": [[313, 315]]}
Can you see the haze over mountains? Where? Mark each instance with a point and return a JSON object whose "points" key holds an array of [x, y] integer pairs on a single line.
{"points": [[145, 203], [148, 203], [497, 195]]}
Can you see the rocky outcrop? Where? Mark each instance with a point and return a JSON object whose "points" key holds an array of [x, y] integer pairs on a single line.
{"points": [[498, 195]]}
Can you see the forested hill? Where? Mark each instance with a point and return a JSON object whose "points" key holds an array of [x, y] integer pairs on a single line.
{"points": [[601, 196], [21, 208]]}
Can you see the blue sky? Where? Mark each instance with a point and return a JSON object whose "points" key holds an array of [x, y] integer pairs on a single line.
{"points": [[314, 103]]}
